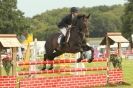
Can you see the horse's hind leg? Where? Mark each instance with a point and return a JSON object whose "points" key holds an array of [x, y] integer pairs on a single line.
{"points": [[49, 57], [44, 65], [55, 54]]}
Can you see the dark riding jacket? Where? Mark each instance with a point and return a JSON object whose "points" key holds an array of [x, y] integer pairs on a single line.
{"points": [[67, 20]]}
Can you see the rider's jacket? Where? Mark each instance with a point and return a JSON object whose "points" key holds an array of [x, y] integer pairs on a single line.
{"points": [[66, 21]]}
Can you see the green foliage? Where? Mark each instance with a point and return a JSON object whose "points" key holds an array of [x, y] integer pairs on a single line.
{"points": [[46, 23], [127, 20], [103, 19], [116, 61], [7, 65], [12, 19]]}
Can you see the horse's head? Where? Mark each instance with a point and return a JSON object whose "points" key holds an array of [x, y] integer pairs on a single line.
{"points": [[81, 23], [79, 31]]}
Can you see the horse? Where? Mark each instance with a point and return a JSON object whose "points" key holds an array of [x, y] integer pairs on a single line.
{"points": [[77, 42]]}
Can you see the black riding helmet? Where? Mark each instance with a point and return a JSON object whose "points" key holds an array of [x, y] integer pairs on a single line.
{"points": [[74, 9]]}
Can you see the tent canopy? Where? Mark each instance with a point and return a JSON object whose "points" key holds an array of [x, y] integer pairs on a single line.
{"points": [[114, 38], [9, 40]]}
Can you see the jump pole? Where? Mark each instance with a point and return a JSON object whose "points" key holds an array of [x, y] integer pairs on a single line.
{"points": [[63, 70], [58, 61]]}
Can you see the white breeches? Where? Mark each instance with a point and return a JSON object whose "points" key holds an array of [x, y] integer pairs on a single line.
{"points": [[63, 31]]}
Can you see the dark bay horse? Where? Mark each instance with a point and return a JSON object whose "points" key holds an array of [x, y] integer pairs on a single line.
{"points": [[76, 43]]}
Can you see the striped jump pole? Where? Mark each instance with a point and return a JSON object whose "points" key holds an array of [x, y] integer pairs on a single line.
{"points": [[62, 70], [58, 61]]}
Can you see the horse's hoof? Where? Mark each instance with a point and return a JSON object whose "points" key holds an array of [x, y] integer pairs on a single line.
{"points": [[43, 68], [90, 60], [50, 68], [79, 60]]}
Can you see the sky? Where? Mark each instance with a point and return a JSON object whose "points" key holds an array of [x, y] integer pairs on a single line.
{"points": [[34, 7]]}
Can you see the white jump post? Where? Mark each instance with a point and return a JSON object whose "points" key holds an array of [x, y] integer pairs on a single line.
{"points": [[0, 61], [34, 55], [79, 65], [132, 37], [132, 41]]}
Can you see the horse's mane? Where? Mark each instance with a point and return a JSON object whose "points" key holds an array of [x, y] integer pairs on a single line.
{"points": [[82, 16], [75, 23]]}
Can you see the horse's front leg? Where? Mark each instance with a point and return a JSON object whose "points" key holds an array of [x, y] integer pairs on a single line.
{"points": [[92, 54], [51, 67], [81, 57], [87, 48], [52, 56]]}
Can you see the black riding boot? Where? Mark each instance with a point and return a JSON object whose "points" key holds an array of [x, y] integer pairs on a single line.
{"points": [[62, 43]]}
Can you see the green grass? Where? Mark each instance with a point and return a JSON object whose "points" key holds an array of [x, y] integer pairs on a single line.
{"points": [[128, 72]]}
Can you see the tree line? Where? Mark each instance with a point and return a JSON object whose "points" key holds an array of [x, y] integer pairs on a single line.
{"points": [[116, 18], [103, 19]]}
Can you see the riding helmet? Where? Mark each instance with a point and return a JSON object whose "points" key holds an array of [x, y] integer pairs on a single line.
{"points": [[74, 9]]}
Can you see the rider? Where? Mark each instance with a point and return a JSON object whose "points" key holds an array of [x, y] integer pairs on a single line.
{"points": [[66, 23]]}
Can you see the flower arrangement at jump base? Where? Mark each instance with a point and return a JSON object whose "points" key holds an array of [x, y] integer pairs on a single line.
{"points": [[7, 63]]}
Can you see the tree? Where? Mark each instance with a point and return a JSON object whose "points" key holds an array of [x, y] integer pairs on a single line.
{"points": [[127, 20], [45, 24], [103, 19], [12, 19]]}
